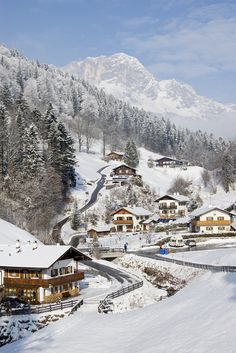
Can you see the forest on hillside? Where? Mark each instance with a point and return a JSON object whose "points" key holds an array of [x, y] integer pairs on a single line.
{"points": [[42, 107]]}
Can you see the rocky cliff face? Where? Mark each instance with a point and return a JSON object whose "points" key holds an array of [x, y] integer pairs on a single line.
{"points": [[127, 79]]}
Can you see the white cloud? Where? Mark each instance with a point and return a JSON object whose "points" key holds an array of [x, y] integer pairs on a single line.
{"points": [[202, 43]]}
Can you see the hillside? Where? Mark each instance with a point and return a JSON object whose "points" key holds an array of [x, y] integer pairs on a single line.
{"points": [[42, 108], [127, 79], [204, 311], [9, 233], [158, 180]]}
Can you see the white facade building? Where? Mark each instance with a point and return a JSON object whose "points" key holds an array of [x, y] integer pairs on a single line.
{"points": [[210, 220], [129, 219], [172, 206], [40, 273]]}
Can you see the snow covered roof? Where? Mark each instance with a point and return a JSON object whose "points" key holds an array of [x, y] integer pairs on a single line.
{"points": [[116, 152], [176, 197], [123, 165], [101, 228], [203, 210], [43, 256], [154, 219], [137, 211], [182, 220]]}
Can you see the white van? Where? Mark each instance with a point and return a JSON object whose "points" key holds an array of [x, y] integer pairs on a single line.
{"points": [[176, 241]]}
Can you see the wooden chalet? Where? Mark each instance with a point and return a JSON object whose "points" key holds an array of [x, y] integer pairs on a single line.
{"points": [[115, 156], [170, 162], [123, 169], [99, 231], [40, 273]]}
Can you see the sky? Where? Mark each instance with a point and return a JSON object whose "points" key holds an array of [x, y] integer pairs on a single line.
{"points": [[192, 41]]}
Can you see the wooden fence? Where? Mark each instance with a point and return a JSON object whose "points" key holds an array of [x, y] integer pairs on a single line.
{"points": [[106, 301], [198, 265], [74, 304]]}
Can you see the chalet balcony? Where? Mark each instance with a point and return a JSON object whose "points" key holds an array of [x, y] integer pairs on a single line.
{"points": [[167, 207], [123, 221], [45, 283], [211, 223]]}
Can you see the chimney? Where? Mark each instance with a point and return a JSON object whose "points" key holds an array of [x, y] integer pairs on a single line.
{"points": [[35, 245], [18, 249]]}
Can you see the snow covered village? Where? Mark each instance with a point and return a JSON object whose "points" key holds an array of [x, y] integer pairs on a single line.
{"points": [[117, 179]]}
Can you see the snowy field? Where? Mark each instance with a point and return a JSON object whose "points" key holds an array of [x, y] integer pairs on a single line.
{"points": [[198, 319], [223, 257]]}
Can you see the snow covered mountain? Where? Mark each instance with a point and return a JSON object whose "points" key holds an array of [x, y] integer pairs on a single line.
{"points": [[127, 79]]}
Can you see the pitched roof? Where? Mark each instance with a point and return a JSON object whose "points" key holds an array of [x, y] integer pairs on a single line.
{"points": [[119, 153], [101, 228], [203, 210], [43, 256], [137, 211], [123, 165], [176, 197]]}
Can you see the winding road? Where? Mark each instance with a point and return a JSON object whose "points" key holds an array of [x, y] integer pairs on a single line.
{"points": [[119, 275], [56, 231]]}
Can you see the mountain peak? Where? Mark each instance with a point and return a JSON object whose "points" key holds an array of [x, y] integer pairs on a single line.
{"points": [[127, 79]]}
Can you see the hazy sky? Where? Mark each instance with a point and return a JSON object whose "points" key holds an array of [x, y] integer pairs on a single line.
{"points": [[193, 41]]}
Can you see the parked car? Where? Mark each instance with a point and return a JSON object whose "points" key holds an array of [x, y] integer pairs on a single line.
{"points": [[176, 241], [13, 303], [190, 242]]}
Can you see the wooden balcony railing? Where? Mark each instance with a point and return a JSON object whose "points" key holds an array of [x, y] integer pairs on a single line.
{"points": [[167, 207], [36, 283], [123, 221], [211, 223]]}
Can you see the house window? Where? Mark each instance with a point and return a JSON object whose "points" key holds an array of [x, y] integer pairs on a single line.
{"points": [[120, 218], [220, 218], [172, 205], [62, 271], [221, 228], [54, 272], [209, 218], [129, 218], [209, 228], [14, 273], [68, 269], [35, 274]]}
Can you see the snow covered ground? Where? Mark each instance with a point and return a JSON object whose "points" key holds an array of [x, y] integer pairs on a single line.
{"points": [[224, 257], [198, 319], [9, 233], [159, 179]]}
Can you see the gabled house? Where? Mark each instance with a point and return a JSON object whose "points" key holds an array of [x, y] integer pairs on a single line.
{"points": [[115, 156], [40, 273], [210, 220], [172, 206], [129, 219], [123, 169], [100, 231], [170, 162]]}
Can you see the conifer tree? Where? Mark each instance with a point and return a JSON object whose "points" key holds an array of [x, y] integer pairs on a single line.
{"points": [[131, 155], [227, 176], [4, 141], [75, 218]]}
